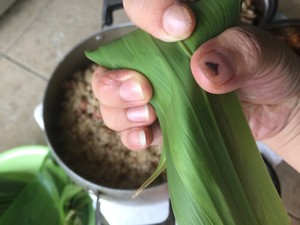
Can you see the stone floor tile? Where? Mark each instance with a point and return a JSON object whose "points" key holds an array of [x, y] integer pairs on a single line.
{"points": [[18, 18], [60, 29], [20, 92]]}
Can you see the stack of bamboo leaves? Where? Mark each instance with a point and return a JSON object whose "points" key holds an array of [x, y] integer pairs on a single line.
{"points": [[216, 174], [46, 197]]}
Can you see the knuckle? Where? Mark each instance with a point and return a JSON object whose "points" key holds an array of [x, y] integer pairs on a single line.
{"points": [[102, 83], [246, 41], [105, 87]]}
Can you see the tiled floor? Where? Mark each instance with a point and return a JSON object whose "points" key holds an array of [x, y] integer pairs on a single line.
{"points": [[35, 35]]}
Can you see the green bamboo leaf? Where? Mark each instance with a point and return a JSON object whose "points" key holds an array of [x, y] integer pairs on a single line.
{"points": [[54, 174], [45, 197], [69, 192], [73, 203], [216, 174], [77, 206], [33, 205], [159, 169], [11, 184]]}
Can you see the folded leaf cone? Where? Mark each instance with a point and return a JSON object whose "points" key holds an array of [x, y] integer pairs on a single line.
{"points": [[215, 172]]}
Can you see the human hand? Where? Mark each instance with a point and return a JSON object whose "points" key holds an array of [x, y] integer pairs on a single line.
{"points": [[262, 70], [168, 20]]}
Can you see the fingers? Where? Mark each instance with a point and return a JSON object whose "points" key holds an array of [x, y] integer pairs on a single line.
{"points": [[138, 138], [248, 59], [167, 20], [120, 119], [124, 97], [121, 88]]}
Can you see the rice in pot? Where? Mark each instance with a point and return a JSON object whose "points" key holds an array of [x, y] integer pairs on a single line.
{"points": [[91, 149]]}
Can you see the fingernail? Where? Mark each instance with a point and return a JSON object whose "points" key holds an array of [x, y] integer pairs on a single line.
{"points": [[138, 114], [138, 137], [142, 138], [131, 90], [217, 67], [177, 21]]}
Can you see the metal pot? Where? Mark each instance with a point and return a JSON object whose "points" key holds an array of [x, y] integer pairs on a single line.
{"points": [[152, 205], [74, 61]]}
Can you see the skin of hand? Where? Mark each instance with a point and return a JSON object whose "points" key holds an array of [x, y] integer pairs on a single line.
{"points": [[263, 71]]}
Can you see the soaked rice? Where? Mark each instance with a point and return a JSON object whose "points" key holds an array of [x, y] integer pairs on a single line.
{"points": [[90, 148]]}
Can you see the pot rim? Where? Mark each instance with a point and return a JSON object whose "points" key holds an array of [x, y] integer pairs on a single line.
{"points": [[54, 80]]}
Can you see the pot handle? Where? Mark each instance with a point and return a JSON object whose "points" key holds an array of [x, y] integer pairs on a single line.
{"points": [[108, 7], [38, 116], [99, 217], [98, 213]]}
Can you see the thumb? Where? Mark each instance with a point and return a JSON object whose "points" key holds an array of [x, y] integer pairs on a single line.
{"points": [[168, 20], [249, 59]]}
